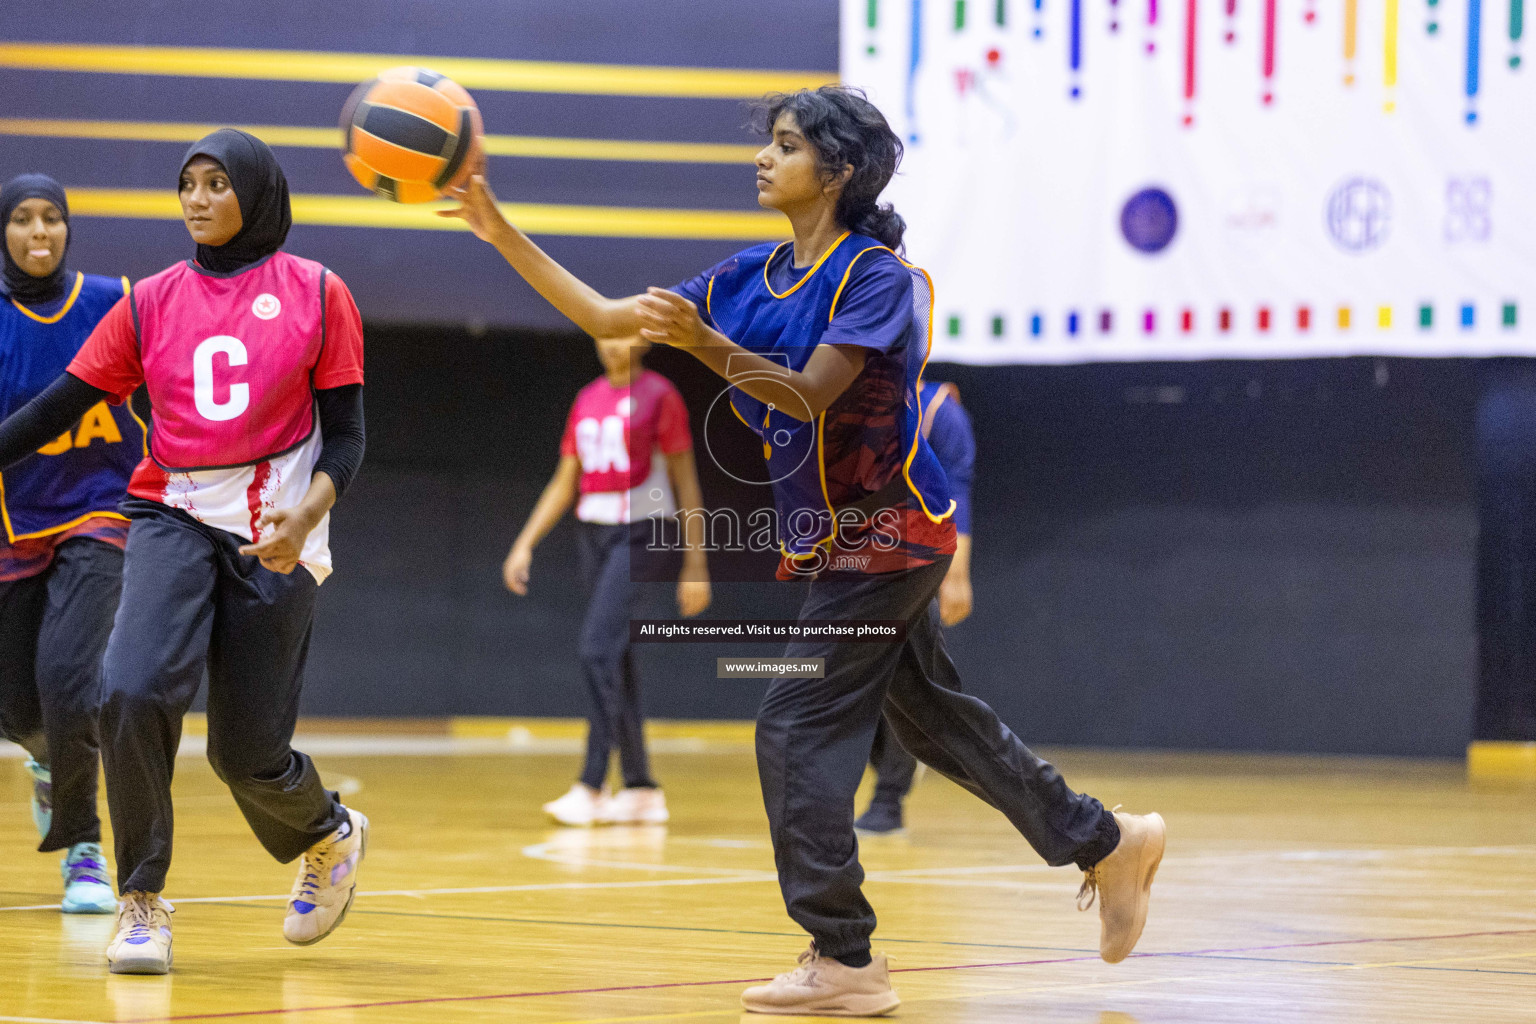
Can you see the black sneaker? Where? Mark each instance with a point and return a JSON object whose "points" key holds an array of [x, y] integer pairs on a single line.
{"points": [[882, 819]]}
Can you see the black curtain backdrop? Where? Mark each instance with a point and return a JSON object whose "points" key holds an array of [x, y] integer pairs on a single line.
{"points": [[1257, 556]]}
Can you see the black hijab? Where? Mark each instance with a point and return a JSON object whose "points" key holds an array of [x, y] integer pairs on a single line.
{"points": [[23, 287], [263, 194]]}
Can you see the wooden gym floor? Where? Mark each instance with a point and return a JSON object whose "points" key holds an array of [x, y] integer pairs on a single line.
{"points": [[1295, 889]]}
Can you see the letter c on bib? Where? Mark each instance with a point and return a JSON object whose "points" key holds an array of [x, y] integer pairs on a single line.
{"points": [[202, 379]]}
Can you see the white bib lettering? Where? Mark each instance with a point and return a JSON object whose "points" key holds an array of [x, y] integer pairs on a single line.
{"points": [[202, 379]]}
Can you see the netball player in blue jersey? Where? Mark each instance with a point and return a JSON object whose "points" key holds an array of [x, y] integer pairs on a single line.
{"points": [[61, 558], [823, 340]]}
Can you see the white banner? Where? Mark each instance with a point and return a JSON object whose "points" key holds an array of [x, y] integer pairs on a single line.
{"points": [[1195, 179]]}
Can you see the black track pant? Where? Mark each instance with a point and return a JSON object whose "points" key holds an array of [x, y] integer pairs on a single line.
{"points": [[192, 603], [53, 629], [607, 658], [814, 737], [894, 768]]}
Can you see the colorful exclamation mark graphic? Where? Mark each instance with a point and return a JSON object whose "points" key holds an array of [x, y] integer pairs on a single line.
{"points": [[1474, 55], [1151, 26], [1000, 13], [1516, 30], [959, 15], [1389, 57], [871, 23], [1039, 19], [1187, 320], [1114, 15], [1433, 25], [1075, 48], [1351, 38], [914, 60], [1269, 50], [1310, 17], [1231, 33], [1190, 23]]}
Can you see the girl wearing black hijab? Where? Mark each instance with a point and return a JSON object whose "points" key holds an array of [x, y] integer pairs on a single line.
{"points": [[253, 359], [61, 555]]}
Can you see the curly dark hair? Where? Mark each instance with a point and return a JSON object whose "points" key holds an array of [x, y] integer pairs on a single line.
{"points": [[845, 129]]}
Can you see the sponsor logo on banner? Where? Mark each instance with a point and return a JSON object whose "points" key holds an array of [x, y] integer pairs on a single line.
{"points": [[1359, 214]]}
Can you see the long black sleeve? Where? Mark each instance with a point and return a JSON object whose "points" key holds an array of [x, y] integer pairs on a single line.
{"points": [[342, 437], [58, 408]]}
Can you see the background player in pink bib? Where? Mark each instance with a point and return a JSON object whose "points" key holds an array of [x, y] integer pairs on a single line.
{"points": [[610, 470], [253, 359]]}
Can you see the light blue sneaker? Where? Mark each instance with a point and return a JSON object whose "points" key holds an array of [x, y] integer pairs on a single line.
{"points": [[42, 797], [86, 890]]}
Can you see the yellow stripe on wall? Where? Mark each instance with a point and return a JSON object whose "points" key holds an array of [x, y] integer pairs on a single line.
{"points": [[472, 73], [330, 138], [535, 218]]}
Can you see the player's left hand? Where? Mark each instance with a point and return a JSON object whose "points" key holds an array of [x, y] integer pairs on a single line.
{"points": [[954, 599], [667, 318], [693, 596], [282, 533]]}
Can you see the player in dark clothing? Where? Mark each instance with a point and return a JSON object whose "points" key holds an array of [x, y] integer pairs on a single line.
{"points": [[947, 427], [823, 340], [253, 359], [61, 560]]}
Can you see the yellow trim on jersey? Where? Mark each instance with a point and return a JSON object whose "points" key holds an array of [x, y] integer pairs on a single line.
{"points": [[808, 274], [848, 273], [305, 137], [366, 211], [60, 529], [68, 304], [127, 288], [906, 467], [939, 397]]}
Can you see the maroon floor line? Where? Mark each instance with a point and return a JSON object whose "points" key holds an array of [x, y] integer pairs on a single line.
{"points": [[749, 981]]}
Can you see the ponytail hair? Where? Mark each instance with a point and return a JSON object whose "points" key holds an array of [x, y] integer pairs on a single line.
{"points": [[845, 129]]}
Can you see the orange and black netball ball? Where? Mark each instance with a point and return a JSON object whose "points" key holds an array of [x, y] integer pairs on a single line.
{"points": [[411, 134]]}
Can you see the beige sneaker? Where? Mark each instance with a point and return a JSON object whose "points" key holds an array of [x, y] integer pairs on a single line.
{"points": [[641, 806], [322, 894], [823, 986], [143, 941], [1123, 883]]}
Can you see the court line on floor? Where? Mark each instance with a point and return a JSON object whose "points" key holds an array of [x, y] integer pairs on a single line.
{"points": [[487, 997], [650, 883]]}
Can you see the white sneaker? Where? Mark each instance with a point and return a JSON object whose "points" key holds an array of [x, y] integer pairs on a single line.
{"points": [[640, 806], [143, 941], [578, 807], [86, 889], [322, 893], [821, 986]]}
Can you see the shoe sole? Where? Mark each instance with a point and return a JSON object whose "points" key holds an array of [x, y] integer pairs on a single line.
{"points": [[362, 851], [854, 1006], [88, 908], [1147, 863], [140, 966]]}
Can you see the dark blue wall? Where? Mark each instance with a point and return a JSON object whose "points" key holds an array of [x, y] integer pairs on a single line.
{"points": [[417, 276]]}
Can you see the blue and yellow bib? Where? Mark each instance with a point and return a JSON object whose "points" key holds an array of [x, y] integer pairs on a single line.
{"points": [[85, 471], [870, 434]]}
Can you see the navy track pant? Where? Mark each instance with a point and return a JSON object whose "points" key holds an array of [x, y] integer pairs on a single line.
{"points": [[191, 603], [53, 630], [814, 738], [608, 555]]}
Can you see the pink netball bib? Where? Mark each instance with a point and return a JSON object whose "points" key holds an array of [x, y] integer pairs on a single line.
{"points": [[227, 359]]}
